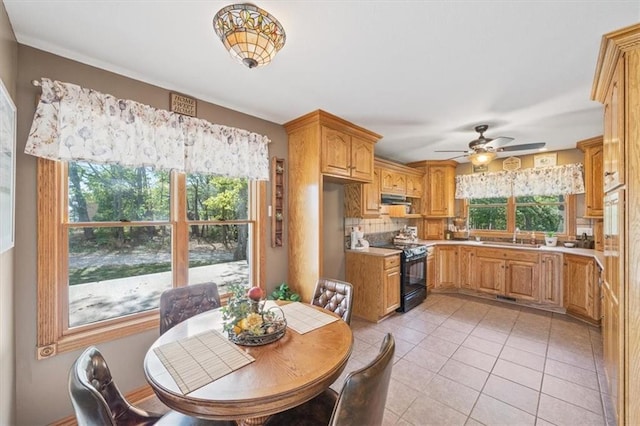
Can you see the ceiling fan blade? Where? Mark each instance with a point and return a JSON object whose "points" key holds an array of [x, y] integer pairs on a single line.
{"points": [[457, 156], [522, 147], [459, 150], [498, 142]]}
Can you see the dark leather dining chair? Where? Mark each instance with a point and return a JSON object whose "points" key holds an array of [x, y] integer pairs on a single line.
{"points": [[335, 296], [97, 400], [181, 303], [360, 402]]}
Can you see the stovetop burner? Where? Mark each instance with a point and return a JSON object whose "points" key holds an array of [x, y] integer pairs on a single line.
{"points": [[410, 250]]}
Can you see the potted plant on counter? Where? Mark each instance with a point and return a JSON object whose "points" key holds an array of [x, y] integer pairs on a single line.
{"points": [[550, 239]]}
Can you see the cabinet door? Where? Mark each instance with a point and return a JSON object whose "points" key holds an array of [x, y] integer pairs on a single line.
{"points": [[614, 126], [361, 159], [488, 275], [466, 256], [579, 281], [447, 267], [336, 153], [551, 279], [431, 268], [522, 280], [391, 290], [414, 186], [612, 350], [613, 294], [441, 191], [594, 174], [392, 182], [433, 229], [363, 199]]}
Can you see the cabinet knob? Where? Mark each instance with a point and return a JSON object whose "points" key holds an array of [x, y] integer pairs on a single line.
{"points": [[608, 173]]}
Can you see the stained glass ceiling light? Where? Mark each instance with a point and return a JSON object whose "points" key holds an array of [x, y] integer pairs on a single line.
{"points": [[249, 33], [482, 158]]}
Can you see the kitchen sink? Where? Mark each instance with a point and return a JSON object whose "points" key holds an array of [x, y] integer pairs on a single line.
{"points": [[508, 244]]}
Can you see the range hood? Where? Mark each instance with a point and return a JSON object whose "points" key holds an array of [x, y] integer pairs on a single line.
{"points": [[391, 199]]}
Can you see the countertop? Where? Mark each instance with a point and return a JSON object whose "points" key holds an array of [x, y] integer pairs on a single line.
{"points": [[597, 255]]}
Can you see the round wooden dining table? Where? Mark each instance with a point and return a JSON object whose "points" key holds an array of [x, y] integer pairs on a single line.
{"points": [[285, 373]]}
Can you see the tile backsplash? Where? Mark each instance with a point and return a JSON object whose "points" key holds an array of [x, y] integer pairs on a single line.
{"points": [[376, 231]]}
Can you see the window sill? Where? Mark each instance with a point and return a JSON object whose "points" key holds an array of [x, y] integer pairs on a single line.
{"points": [[101, 332]]}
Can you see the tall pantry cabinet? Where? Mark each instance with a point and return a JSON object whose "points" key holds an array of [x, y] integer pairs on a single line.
{"points": [[322, 147], [617, 86]]}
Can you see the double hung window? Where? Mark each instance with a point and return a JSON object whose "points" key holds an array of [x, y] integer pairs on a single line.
{"points": [[113, 238]]}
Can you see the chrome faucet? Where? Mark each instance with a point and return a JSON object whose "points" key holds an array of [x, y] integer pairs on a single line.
{"points": [[515, 234]]}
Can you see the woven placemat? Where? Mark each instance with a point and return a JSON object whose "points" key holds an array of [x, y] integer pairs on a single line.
{"points": [[303, 318], [199, 360]]}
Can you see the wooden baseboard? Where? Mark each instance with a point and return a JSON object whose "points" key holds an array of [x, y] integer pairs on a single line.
{"points": [[134, 397]]}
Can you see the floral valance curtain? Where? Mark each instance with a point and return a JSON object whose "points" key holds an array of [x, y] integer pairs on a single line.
{"points": [[483, 185], [75, 123], [557, 180]]}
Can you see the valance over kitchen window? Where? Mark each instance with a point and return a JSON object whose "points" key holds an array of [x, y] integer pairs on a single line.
{"points": [[79, 124], [557, 180]]}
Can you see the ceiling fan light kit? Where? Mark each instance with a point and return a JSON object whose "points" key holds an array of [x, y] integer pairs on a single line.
{"points": [[250, 34], [482, 158]]}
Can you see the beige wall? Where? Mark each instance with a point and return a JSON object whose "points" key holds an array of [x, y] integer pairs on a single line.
{"points": [[41, 386], [566, 156], [8, 73]]}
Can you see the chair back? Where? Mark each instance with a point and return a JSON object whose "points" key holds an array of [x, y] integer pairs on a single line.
{"points": [[180, 303], [364, 393], [335, 296], [95, 397]]}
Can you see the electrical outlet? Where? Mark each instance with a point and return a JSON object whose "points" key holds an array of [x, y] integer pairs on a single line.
{"points": [[588, 231]]}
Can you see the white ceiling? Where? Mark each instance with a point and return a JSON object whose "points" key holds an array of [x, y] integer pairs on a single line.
{"points": [[420, 73]]}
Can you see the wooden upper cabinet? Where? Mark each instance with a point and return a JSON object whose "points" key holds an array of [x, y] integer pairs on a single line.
{"points": [[441, 181], [392, 182], [614, 125], [593, 175], [346, 156], [336, 152], [361, 159], [363, 199], [399, 179], [414, 186], [439, 187]]}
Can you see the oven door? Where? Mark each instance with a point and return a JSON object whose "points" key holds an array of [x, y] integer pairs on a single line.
{"points": [[414, 274]]}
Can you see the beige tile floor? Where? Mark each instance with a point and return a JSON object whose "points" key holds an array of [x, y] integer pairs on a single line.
{"points": [[466, 361]]}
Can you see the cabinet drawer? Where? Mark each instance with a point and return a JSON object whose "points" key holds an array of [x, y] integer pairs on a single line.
{"points": [[391, 262], [522, 255], [490, 253]]}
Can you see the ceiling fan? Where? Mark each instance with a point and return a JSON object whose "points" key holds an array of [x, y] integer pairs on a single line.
{"points": [[483, 150]]}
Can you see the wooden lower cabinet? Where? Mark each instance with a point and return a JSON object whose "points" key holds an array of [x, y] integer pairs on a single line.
{"points": [[612, 355], [551, 279], [431, 268], [511, 273], [466, 257], [581, 292], [488, 274], [376, 284], [446, 267], [522, 281]]}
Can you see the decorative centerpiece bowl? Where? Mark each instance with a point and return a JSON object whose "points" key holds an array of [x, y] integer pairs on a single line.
{"points": [[246, 321]]}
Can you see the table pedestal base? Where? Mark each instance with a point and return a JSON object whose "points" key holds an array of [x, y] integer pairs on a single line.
{"points": [[253, 421]]}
